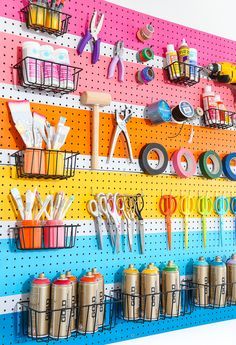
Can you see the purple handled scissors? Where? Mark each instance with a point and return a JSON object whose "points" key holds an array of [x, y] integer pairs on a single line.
{"points": [[117, 60], [92, 33]]}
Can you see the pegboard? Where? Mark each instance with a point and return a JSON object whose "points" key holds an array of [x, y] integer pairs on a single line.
{"points": [[20, 267]]}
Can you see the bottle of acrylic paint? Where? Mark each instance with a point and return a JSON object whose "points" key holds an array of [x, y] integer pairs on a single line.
{"points": [[66, 79], [48, 69], [209, 105], [224, 118], [172, 59], [193, 63], [183, 54], [31, 66]]}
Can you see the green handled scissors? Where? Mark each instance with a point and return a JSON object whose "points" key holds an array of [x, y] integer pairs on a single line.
{"points": [[204, 208], [221, 207], [186, 208]]}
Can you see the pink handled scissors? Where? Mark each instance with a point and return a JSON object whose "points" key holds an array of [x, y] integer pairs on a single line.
{"points": [[114, 209]]}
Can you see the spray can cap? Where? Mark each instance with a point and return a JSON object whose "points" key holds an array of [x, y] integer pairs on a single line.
{"points": [[41, 279], [201, 262], [217, 262], [171, 266], [62, 280], [88, 278], [70, 276], [150, 269], [131, 270], [170, 48], [96, 273], [232, 260]]}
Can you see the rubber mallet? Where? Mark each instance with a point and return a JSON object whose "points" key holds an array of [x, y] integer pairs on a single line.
{"points": [[95, 99]]}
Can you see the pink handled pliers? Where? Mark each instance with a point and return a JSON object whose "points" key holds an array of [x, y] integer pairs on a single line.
{"points": [[92, 33], [117, 60]]}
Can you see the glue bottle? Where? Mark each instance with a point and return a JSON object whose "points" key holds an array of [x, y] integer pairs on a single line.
{"points": [[172, 58], [224, 118], [183, 54], [193, 63], [209, 105]]}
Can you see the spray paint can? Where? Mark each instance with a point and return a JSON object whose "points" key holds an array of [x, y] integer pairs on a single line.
{"points": [[183, 54], [88, 299], [201, 282], [100, 295], [131, 290], [231, 279], [74, 299], [218, 282], [61, 310], [171, 294], [39, 304], [150, 293]]}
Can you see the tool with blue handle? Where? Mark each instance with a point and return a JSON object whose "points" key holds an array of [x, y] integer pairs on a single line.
{"points": [[221, 207], [233, 210]]}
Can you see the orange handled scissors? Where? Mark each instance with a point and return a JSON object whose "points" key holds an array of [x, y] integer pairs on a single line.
{"points": [[168, 206]]}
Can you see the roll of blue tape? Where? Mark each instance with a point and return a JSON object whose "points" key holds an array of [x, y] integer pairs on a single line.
{"points": [[227, 168], [147, 74], [158, 112]]}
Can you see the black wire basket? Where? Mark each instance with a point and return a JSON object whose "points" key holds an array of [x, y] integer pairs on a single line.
{"points": [[45, 19], [64, 323], [29, 236], [183, 73], [221, 119], [47, 164], [158, 306], [47, 75]]}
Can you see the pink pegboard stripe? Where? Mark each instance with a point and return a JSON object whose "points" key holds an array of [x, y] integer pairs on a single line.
{"points": [[123, 23], [121, 92]]}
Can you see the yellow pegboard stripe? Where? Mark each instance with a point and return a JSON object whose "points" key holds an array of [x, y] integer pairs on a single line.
{"points": [[87, 182]]}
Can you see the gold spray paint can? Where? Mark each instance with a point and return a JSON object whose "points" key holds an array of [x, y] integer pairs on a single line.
{"points": [[39, 304], [201, 282], [131, 290], [231, 279], [61, 310], [171, 294], [150, 293], [100, 295], [218, 282], [88, 308], [74, 299]]}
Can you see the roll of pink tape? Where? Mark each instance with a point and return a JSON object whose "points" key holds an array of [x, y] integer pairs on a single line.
{"points": [[191, 163]]}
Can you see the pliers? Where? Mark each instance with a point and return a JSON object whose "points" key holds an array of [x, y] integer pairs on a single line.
{"points": [[117, 60], [121, 127], [92, 33]]}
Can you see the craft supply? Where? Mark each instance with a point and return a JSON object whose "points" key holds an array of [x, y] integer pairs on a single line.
{"points": [[103, 208], [145, 76], [221, 207], [183, 54], [233, 211], [65, 72], [223, 72], [121, 128], [168, 206], [193, 64], [61, 298], [144, 55], [95, 99], [231, 279], [74, 300], [171, 295], [204, 208], [18, 200], [44, 207], [130, 293], [92, 34], [145, 33], [117, 60], [115, 212], [100, 296], [39, 304], [150, 293], [191, 167], [129, 213], [218, 282], [209, 105], [201, 282], [94, 210], [158, 112], [184, 111], [147, 166], [227, 168], [32, 64], [186, 208], [49, 70], [139, 206], [215, 170], [29, 202], [172, 62]]}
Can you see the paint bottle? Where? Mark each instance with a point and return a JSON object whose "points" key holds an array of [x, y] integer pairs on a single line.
{"points": [[65, 72], [224, 118], [183, 54], [172, 59], [193, 62], [31, 64], [48, 69], [209, 105]]}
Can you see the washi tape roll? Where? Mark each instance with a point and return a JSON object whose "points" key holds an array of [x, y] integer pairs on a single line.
{"points": [[191, 163], [227, 168], [145, 55], [146, 75], [158, 112], [145, 33], [145, 164], [217, 164]]}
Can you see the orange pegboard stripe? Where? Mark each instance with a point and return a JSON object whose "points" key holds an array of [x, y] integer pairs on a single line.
{"points": [[140, 131]]}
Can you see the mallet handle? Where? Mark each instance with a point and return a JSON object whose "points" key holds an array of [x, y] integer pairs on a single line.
{"points": [[95, 137]]}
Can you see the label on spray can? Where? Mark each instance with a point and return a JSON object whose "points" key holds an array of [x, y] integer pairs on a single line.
{"points": [[218, 282], [171, 294]]}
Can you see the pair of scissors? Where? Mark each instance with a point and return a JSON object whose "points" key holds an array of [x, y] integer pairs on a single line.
{"points": [[204, 208], [186, 208], [233, 210], [221, 207], [95, 210], [129, 213], [115, 206], [168, 206], [102, 204], [138, 208]]}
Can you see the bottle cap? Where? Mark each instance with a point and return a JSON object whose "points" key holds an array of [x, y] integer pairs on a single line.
{"points": [[131, 269], [170, 48]]}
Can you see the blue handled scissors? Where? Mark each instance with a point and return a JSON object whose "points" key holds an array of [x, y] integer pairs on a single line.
{"points": [[221, 206], [233, 210]]}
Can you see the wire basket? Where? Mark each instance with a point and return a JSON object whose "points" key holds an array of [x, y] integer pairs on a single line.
{"points": [[45, 19], [183, 73], [63, 323], [221, 119], [47, 164], [47, 75], [29, 236], [158, 306]]}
